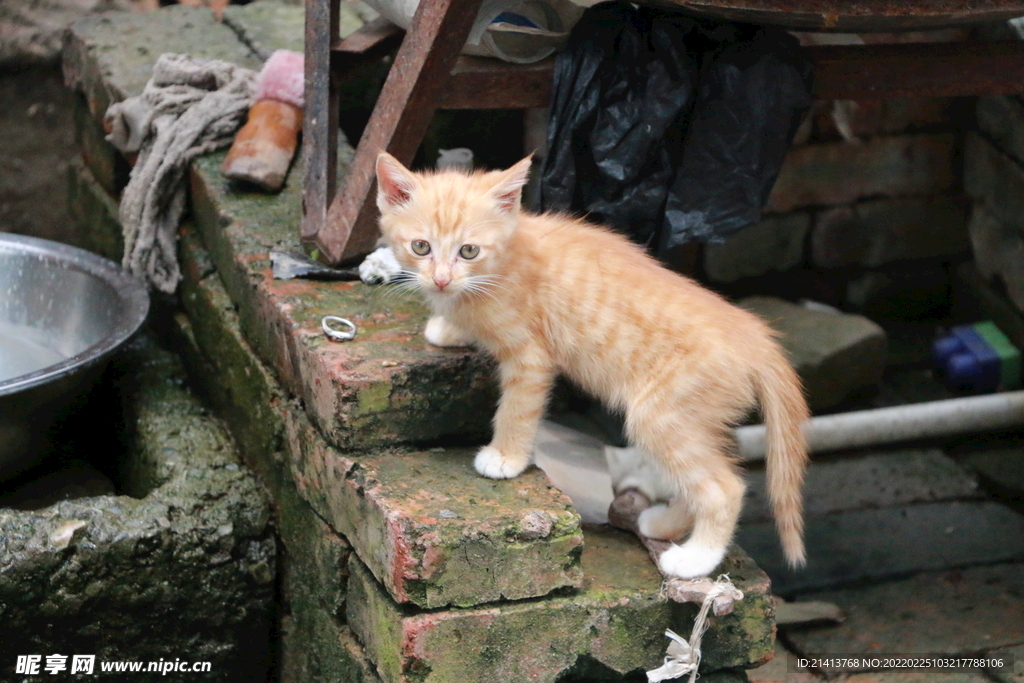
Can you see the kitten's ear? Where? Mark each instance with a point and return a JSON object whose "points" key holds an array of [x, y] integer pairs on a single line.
{"points": [[395, 183], [508, 191]]}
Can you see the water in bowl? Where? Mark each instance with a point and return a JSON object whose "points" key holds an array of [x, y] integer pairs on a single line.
{"points": [[23, 349]]}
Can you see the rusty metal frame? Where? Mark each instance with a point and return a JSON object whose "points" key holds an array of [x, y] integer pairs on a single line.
{"points": [[427, 74]]}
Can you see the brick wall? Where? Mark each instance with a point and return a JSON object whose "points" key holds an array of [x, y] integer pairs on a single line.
{"points": [[868, 212]]}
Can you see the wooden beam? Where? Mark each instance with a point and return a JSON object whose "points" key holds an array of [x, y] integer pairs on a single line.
{"points": [[476, 84], [958, 69]]}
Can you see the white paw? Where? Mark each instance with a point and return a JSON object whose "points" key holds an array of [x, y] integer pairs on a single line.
{"points": [[649, 519], [491, 463], [439, 332], [688, 561]]}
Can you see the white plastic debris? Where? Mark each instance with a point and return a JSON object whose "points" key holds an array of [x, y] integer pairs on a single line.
{"points": [[380, 267]]}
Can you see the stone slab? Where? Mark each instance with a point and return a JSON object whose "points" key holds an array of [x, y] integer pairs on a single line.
{"points": [[877, 480], [388, 385], [960, 611], [110, 56], [776, 243], [435, 532], [886, 166], [834, 353], [995, 180], [187, 565], [269, 25], [618, 621], [877, 232], [869, 545]]}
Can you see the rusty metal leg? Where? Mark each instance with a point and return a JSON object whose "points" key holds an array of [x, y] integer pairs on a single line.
{"points": [[399, 120], [320, 124]]}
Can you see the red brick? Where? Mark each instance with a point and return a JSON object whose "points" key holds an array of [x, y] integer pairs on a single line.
{"points": [[840, 173], [873, 233], [618, 619], [432, 530]]}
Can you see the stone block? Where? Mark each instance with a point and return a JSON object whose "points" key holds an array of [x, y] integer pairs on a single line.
{"points": [[110, 56], [435, 532], [956, 611], [876, 480], [1001, 118], [385, 387], [870, 545], [317, 648], [776, 243], [834, 353], [617, 623], [269, 25], [182, 567], [995, 180], [889, 166], [95, 213], [102, 159], [874, 233], [998, 251], [242, 390]]}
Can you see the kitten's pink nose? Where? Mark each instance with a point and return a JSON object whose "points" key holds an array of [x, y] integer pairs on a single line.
{"points": [[442, 282]]}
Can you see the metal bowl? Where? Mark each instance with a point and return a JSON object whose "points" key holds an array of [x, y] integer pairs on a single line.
{"points": [[63, 312]]}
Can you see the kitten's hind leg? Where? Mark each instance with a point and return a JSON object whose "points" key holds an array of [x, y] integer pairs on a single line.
{"points": [[693, 453], [714, 501], [526, 381], [440, 332]]}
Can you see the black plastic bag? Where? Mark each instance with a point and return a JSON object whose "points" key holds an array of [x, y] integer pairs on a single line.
{"points": [[671, 129]]}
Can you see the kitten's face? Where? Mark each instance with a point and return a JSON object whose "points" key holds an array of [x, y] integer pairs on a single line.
{"points": [[449, 230]]}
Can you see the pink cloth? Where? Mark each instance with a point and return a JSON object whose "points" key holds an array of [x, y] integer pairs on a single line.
{"points": [[283, 78]]}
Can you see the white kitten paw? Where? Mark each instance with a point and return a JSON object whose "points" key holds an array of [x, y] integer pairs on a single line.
{"points": [[440, 332], [491, 463], [649, 522], [689, 561]]}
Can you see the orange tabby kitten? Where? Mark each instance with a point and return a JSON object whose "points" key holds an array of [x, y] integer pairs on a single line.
{"points": [[548, 294]]}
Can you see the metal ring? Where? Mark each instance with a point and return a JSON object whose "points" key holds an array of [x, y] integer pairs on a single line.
{"points": [[335, 335]]}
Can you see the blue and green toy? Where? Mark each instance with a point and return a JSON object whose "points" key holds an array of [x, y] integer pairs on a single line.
{"points": [[978, 358]]}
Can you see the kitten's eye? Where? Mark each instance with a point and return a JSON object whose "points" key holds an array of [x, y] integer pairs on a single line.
{"points": [[420, 247], [469, 251]]}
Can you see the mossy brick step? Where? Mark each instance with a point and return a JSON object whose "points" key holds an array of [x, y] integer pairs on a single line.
{"points": [[183, 566], [617, 620], [386, 386], [110, 56], [435, 532]]}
